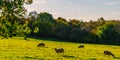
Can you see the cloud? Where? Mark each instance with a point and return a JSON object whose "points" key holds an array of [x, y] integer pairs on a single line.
{"points": [[35, 6], [43, 2], [39, 2], [112, 3], [56, 13]]}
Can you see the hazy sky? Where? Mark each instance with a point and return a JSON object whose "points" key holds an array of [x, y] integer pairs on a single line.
{"points": [[79, 9]]}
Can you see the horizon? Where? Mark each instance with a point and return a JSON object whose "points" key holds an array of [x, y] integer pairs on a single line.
{"points": [[84, 10]]}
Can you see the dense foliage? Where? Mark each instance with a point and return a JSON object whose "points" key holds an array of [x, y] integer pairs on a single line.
{"points": [[13, 23], [73, 30], [12, 13]]}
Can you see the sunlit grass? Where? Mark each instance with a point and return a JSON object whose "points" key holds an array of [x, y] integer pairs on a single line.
{"points": [[20, 49]]}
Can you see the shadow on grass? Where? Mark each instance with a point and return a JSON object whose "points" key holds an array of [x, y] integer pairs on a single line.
{"points": [[68, 56], [29, 57], [48, 39], [117, 57], [63, 40]]}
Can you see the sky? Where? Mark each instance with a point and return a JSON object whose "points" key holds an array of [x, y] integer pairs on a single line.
{"points": [[85, 10]]}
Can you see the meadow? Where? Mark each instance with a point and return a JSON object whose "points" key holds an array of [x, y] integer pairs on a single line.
{"points": [[20, 49]]}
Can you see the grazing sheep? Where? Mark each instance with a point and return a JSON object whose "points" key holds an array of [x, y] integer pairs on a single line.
{"points": [[81, 46], [41, 45], [59, 50], [106, 52]]}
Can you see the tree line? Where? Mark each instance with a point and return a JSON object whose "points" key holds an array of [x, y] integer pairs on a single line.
{"points": [[101, 31], [13, 23]]}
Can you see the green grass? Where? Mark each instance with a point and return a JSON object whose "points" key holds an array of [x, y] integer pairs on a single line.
{"points": [[20, 49]]}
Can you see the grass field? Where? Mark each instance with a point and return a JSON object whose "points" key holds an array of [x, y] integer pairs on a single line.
{"points": [[20, 49]]}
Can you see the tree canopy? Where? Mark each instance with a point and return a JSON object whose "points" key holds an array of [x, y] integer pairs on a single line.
{"points": [[10, 13]]}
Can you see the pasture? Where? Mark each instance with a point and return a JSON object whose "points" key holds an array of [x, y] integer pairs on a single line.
{"points": [[20, 49]]}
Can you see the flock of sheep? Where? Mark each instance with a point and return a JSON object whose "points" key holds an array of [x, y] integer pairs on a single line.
{"points": [[61, 50]]}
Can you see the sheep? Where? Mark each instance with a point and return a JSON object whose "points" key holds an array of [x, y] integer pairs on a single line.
{"points": [[41, 45], [106, 52], [81, 46], [59, 50]]}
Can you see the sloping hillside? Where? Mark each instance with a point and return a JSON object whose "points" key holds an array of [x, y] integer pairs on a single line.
{"points": [[19, 49]]}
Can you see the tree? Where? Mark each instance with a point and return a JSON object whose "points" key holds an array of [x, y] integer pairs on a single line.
{"points": [[10, 12], [45, 23], [44, 16], [101, 21], [74, 23], [107, 33], [75, 35], [62, 28], [27, 31]]}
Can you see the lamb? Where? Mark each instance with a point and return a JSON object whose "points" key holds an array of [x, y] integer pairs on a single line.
{"points": [[81, 46], [41, 45], [59, 50], [106, 52]]}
